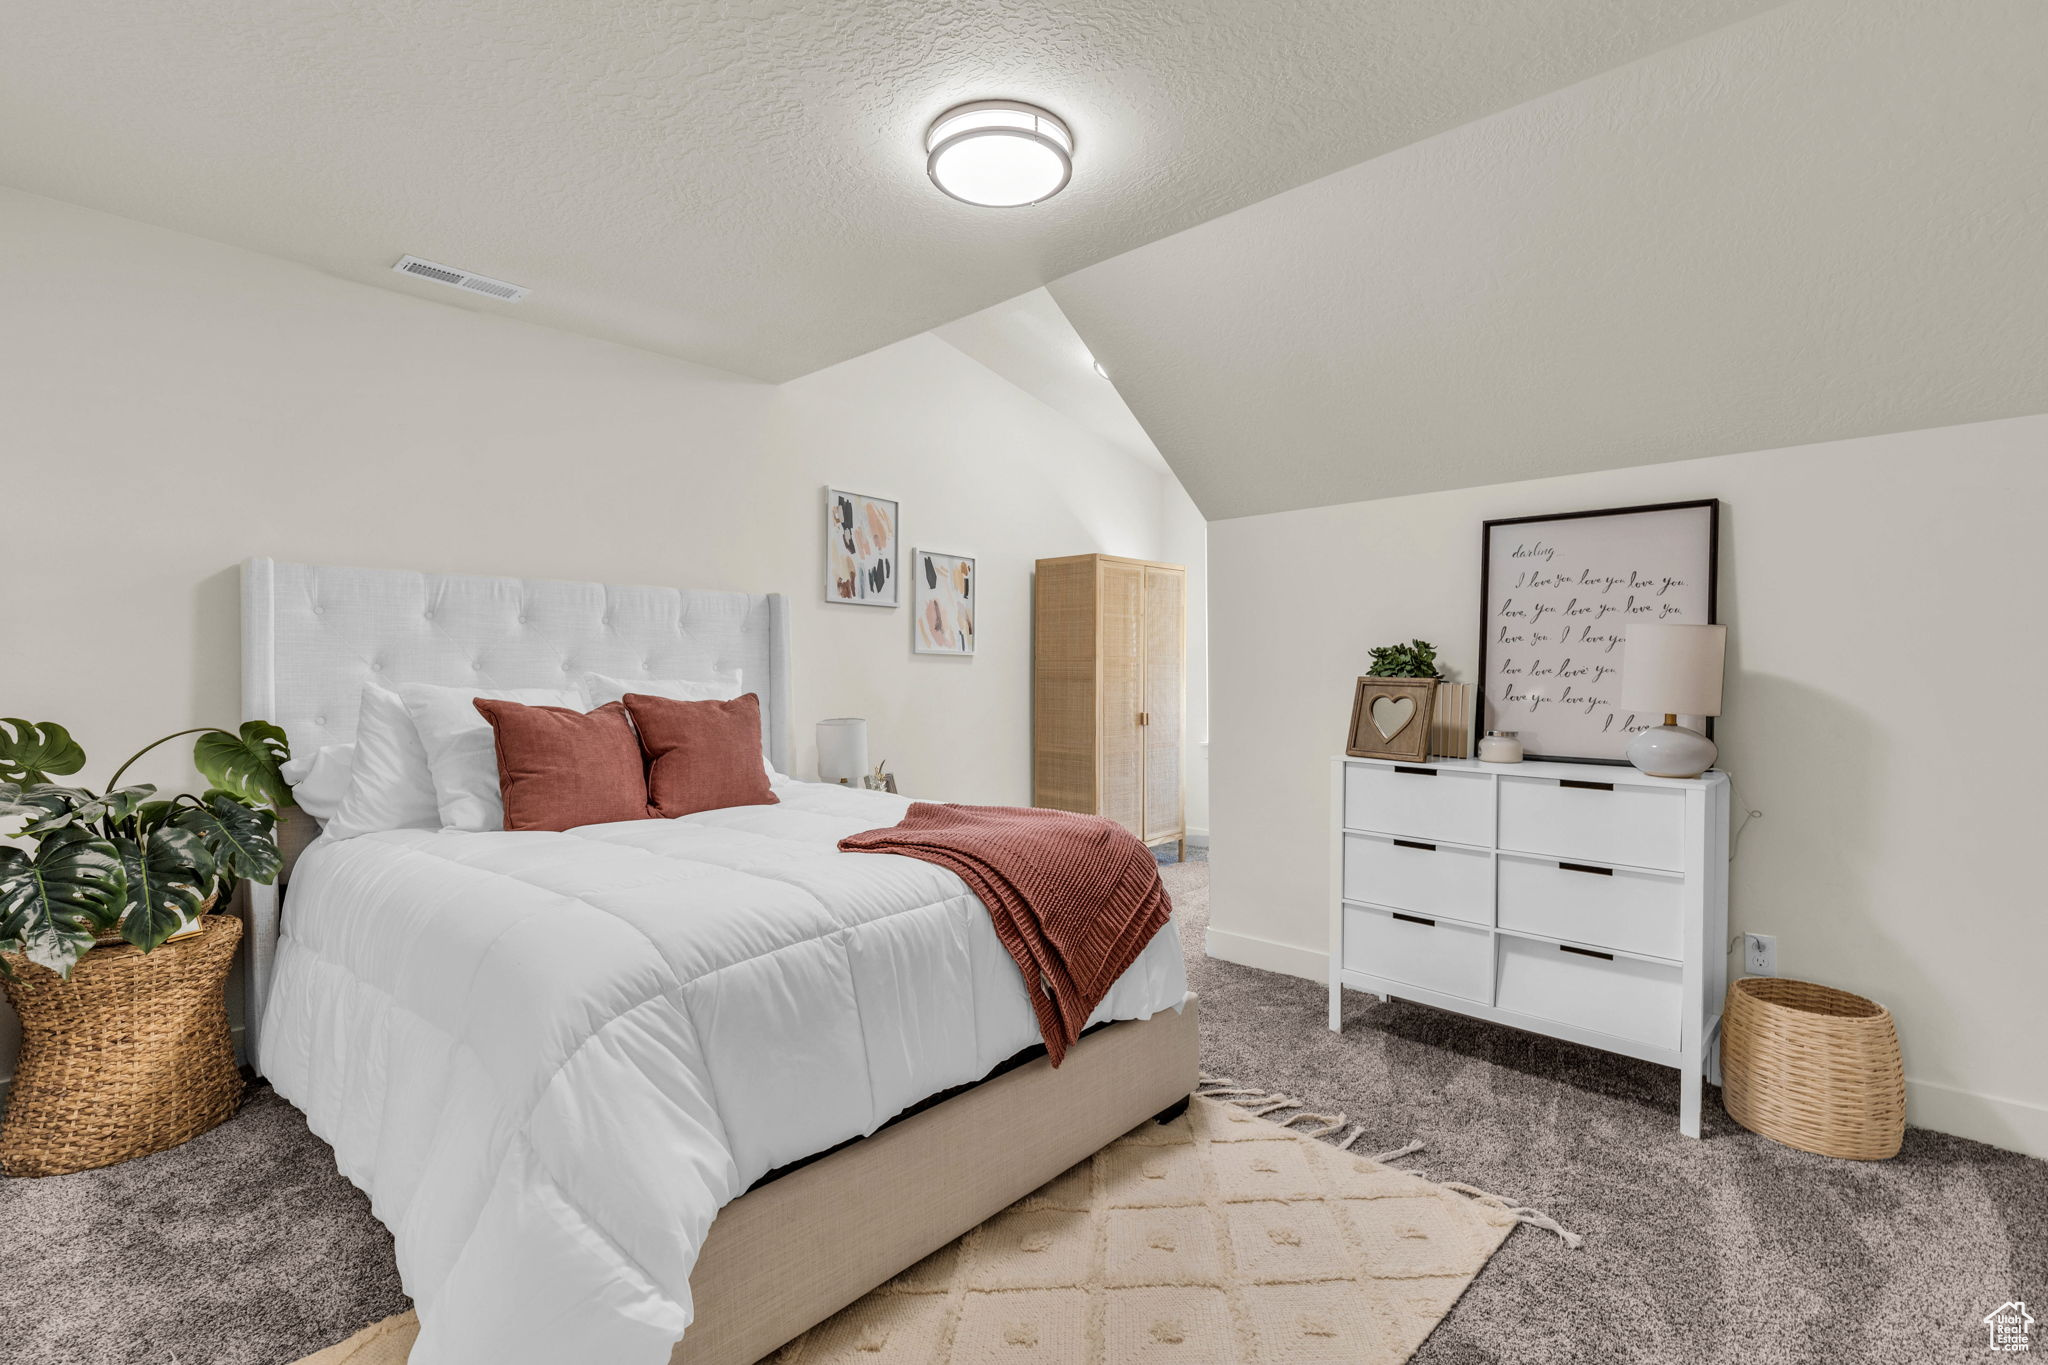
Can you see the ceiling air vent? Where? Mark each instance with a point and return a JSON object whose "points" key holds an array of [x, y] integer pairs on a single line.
{"points": [[460, 279]]}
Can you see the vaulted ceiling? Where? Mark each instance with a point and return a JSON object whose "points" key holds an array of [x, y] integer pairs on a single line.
{"points": [[1327, 249], [1830, 220], [742, 184], [1028, 341]]}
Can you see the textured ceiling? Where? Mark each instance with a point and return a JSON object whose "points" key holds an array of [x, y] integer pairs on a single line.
{"points": [[1028, 341], [1826, 221], [742, 184]]}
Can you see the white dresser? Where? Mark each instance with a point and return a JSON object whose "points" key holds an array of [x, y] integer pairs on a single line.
{"points": [[1583, 901]]}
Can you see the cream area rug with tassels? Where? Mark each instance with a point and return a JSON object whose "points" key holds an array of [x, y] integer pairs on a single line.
{"points": [[1219, 1237]]}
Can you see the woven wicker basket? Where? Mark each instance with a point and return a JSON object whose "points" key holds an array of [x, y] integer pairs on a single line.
{"points": [[130, 1056], [1813, 1067]]}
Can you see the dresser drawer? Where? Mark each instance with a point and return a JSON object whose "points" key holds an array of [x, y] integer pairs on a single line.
{"points": [[1410, 874], [1419, 803], [1637, 912], [1441, 956], [1622, 997], [1592, 820]]}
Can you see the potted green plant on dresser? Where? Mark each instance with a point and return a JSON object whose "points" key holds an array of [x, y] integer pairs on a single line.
{"points": [[108, 951]]}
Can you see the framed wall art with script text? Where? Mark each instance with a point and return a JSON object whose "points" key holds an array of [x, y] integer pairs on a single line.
{"points": [[1556, 595]]}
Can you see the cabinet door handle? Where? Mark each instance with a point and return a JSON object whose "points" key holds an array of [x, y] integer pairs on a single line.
{"points": [[1586, 786], [1414, 919], [1585, 952], [1144, 718], [1415, 843], [1583, 867], [1415, 772]]}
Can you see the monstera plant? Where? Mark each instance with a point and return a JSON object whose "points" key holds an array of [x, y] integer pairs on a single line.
{"points": [[124, 861]]}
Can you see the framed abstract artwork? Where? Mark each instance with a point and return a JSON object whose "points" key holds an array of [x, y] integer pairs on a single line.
{"points": [[1556, 595], [860, 550], [943, 592]]}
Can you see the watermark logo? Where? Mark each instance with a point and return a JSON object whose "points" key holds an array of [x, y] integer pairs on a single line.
{"points": [[2011, 1326]]}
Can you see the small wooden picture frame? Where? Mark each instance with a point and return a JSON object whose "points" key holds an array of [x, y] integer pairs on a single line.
{"points": [[1400, 703]]}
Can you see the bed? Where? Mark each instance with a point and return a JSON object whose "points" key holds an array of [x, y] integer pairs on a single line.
{"points": [[607, 1084]]}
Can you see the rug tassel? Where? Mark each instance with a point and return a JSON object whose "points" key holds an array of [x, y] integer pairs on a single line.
{"points": [[1543, 1220], [1328, 1123], [1260, 1102], [1354, 1135], [1384, 1157], [1520, 1213]]}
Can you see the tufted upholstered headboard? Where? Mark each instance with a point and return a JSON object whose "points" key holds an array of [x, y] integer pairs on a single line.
{"points": [[312, 635]]}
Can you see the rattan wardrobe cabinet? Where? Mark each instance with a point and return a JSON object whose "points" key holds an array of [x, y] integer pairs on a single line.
{"points": [[1109, 694]]}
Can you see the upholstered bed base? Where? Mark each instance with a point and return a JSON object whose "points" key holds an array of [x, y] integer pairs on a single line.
{"points": [[790, 1253]]}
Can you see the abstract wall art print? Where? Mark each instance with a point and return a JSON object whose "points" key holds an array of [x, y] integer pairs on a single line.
{"points": [[944, 592], [860, 550]]}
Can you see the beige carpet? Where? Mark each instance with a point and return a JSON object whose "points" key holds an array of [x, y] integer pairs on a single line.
{"points": [[1220, 1237]]}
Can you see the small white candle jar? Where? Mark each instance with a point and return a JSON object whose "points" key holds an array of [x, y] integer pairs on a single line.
{"points": [[1500, 746]]}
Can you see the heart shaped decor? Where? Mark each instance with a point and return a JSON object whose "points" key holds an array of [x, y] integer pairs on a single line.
{"points": [[1390, 715]]}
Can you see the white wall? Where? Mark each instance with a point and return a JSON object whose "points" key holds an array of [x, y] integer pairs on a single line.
{"points": [[1184, 539], [1885, 661], [173, 405]]}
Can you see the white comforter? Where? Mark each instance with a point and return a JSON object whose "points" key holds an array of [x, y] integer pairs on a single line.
{"points": [[550, 1058]]}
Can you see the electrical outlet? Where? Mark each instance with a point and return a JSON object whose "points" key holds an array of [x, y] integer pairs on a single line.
{"points": [[1760, 954]]}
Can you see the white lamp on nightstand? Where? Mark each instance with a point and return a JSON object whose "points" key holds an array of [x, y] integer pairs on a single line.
{"points": [[843, 750], [1675, 670]]}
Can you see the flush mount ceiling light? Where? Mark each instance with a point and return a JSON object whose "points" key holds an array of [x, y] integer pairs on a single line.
{"points": [[999, 153]]}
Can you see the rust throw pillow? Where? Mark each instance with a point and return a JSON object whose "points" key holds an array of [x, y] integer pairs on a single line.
{"points": [[558, 768], [701, 755]]}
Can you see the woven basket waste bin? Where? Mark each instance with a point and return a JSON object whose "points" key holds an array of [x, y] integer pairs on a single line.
{"points": [[1813, 1067], [130, 1056]]}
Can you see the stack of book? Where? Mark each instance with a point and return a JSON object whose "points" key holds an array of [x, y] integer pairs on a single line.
{"points": [[1450, 721]]}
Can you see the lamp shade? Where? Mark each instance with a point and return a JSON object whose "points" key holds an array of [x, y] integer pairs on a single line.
{"points": [[843, 749], [1673, 669]]}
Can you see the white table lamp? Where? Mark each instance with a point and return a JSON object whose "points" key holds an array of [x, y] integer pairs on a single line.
{"points": [[843, 750], [1675, 670]]}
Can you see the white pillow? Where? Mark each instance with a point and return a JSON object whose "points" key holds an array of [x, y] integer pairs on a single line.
{"points": [[389, 786], [599, 689], [462, 750], [318, 783]]}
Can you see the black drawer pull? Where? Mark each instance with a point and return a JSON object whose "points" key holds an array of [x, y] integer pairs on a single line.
{"points": [[1415, 772], [1414, 919], [1583, 867], [1585, 786], [1585, 952], [1415, 843]]}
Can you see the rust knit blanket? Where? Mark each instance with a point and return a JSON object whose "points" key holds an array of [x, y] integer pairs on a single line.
{"points": [[1074, 898]]}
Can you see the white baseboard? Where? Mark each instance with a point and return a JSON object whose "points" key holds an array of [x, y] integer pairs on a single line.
{"points": [[2015, 1125], [1248, 950]]}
